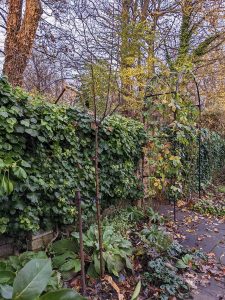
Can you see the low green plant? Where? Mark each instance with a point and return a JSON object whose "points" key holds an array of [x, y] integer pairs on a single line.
{"points": [[157, 237], [154, 217], [163, 275], [31, 281], [116, 250], [135, 214], [14, 264], [221, 189], [124, 219], [208, 206], [185, 261], [176, 250], [65, 257]]}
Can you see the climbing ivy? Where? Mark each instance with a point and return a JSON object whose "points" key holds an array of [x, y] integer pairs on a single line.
{"points": [[173, 158], [47, 153]]}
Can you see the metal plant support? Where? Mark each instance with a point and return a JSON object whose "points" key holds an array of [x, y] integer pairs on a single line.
{"points": [[199, 136], [199, 105]]}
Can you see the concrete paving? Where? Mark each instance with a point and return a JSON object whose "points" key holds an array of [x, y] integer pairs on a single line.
{"points": [[208, 234]]}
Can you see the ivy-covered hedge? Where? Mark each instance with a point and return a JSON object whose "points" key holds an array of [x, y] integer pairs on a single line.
{"points": [[173, 157], [47, 153], [212, 158], [212, 155]]}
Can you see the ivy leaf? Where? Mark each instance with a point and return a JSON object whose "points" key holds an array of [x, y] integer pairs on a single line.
{"points": [[4, 114], [20, 172], [19, 129], [31, 132], [25, 164], [25, 122]]}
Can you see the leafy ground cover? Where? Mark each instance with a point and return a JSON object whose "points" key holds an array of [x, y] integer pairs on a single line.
{"points": [[212, 203], [143, 260]]}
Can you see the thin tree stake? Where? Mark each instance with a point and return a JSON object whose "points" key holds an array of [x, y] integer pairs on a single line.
{"points": [[98, 206], [83, 282], [174, 211]]}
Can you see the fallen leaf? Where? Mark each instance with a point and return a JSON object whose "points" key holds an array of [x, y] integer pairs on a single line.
{"points": [[114, 285]]}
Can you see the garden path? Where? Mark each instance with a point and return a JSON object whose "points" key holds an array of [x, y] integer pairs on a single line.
{"points": [[207, 233]]}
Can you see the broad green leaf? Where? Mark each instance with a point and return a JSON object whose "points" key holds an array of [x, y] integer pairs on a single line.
{"points": [[2, 164], [3, 265], [6, 291], [96, 263], [77, 265], [6, 277], [4, 185], [67, 266], [92, 272], [59, 260], [60, 247], [65, 294], [32, 279], [71, 265], [128, 263], [136, 291], [10, 187]]}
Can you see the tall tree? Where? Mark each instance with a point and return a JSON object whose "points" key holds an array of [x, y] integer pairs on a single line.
{"points": [[20, 35]]}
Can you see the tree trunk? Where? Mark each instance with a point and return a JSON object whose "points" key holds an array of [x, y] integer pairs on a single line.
{"points": [[20, 35]]}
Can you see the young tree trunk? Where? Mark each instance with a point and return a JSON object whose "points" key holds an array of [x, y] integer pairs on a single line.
{"points": [[98, 205], [20, 35]]}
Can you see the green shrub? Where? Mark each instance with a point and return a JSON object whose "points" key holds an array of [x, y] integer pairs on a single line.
{"points": [[116, 250], [210, 207], [212, 155], [47, 153], [174, 158], [157, 237]]}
